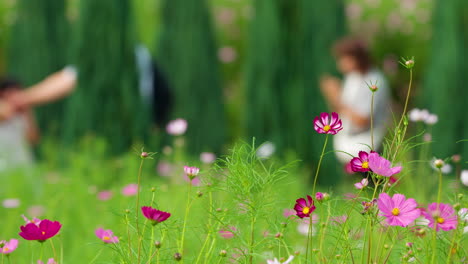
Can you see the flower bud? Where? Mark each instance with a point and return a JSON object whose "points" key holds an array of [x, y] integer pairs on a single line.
{"points": [[460, 196], [144, 154], [153, 189], [457, 206], [284, 224], [223, 253], [297, 253], [386, 246], [279, 235], [199, 194], [373, 88], [219, 210], [409, 64], [177, 256], [456, 158], [438, 163], [157, 244], [127, 211]]}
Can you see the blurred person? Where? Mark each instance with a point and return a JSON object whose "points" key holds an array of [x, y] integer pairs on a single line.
{"points": [[351, 99], [17, 132]]}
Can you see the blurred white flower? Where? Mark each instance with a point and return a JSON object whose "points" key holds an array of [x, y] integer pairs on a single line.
{"points": [[353, 11], [437, 164], [266, 150], [417, 115], [276, 261], [176, 127], [11, 203], [464, 177], [431, 119], [227, 54]]}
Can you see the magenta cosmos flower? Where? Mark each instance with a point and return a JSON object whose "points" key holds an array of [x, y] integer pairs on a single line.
{"points": [[304, 207], [8, 247], [398, 210], [361, 163], [381, 166], [191, 172], [45, 230], [154, 215], [442, 214], [107, 236], [328, 124]]}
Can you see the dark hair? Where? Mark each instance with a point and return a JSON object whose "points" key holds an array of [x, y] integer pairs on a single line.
{"points": [[8, 83], [355, 48]]}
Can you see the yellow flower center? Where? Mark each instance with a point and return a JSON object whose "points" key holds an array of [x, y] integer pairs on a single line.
{"points": [[106, 238], [43, 232], [440, 220], [395, 211], [365, 165], [305, 210], [326, 128], [5, 249]]}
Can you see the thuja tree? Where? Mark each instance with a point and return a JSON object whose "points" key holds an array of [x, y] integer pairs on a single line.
{"points": [[289, 51], [186, 53], [446, 78], [38, 47], [106, 101]]}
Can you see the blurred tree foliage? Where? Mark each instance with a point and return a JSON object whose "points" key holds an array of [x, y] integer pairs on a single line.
{"points": [[447, 77], [38, 47], [292, 45], [187, 56], [107, 99]]}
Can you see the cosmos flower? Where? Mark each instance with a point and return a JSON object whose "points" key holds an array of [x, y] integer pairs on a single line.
{"points": [[442, 214], [8, 247], [207, 157], [398, 210], [191, 172], [154, 215], [327, 124], [45, 230], [177, 127], [381, 166], [228, 232], [107, 236], [464, 177], [104, 195], [11, 203], [361, 163], [304, 207], [50, 261]]}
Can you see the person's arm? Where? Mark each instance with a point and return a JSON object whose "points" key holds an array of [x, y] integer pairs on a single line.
{"points": [[54, 87], [32, 130], [331, 90]]}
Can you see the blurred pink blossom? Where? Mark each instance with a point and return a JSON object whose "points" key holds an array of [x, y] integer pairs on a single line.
{"points": [[195, 181], [36, 210], [228, 232], [353, 11], [177, 127], [227, 54], [104, 195], [225, 16], [11, 203], [164, 168], [207, 157], [130, 189]]}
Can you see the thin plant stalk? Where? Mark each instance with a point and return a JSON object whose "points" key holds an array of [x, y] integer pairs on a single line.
{"points": [[372, 121], [319, 163], [252, 238], [434, 236], [53, 248], [309, 239], [140, 238], [181, 248]]}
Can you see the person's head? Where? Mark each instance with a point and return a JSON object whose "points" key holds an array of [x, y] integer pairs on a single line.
{"points": [[352, 55], [8, 85]]}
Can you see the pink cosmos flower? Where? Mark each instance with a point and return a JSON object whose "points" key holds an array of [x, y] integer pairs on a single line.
{"points": [[107, 236], [45, 230], [304, 208], [156, 216], [130, 190], [361, 163], [381, 166], [289, 212], [398, 210], [442, 214], [104, 195], [228, 232], [191, 172], [362, 184], [328, 124], [319, 196], [164, 168], [36, 210], [8, 247], [50, 261], [176, 127]]}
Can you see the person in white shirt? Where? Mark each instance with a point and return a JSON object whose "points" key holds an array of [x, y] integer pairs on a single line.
{"points": [[351, 99]]}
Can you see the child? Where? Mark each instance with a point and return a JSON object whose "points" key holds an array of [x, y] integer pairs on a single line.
{"points": [[17, 132]]}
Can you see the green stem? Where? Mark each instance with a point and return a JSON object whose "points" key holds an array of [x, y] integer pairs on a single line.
{"points": [[53, 248], [309, 239], [319, 163], [151, 255], [140, 238], [252, 238], [434, 236], [372, 121], [181, 248]]}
